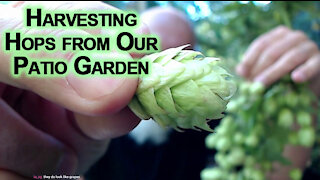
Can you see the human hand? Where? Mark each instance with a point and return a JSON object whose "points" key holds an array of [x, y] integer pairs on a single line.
{"points": [[62, 125], [277, 53], [272, 56]]}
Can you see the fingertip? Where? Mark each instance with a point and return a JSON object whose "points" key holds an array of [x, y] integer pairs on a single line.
{"points": [[298, 76], [106, 127], [261, 79], [282, 28], [245, 66], [123, 95], [117, 100], [143, 29], [240, 70]]}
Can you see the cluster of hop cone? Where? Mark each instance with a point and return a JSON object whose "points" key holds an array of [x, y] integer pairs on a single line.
{"points": [[186, 89]]}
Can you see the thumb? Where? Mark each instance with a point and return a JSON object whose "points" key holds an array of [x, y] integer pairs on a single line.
{"points": [[90, 96]]}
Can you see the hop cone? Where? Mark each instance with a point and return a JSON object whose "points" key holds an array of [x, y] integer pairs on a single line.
{"points": [[184, 90]]}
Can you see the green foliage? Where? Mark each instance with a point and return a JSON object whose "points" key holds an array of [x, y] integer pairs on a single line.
{"points": [[252, 137], [227, 33], [230, 29]]}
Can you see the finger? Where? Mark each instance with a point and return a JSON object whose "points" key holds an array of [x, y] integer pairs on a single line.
{"points": [[94, 96], [276, 50], [28, 151], [143, 29], [307, 70], [287, 62], [60, 124], [171, 25], [108, 126], [90, 96], [257, 47]]}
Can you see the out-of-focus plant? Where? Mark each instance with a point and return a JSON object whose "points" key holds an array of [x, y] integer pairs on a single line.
{"points": [[227, 32], [259, 125], [229, 29]]}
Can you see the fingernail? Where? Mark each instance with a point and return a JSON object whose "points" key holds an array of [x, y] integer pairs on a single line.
{"points": [[94, 87], [298, 76]]}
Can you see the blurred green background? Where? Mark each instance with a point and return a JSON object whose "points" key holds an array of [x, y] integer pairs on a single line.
{"points": [[226, 28]]}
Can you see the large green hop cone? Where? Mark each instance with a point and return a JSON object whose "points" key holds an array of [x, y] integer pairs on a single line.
{"points": [[184, 90]]}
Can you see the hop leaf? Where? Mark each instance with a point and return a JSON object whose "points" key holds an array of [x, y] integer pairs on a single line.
{"points": [[184, 90]]}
